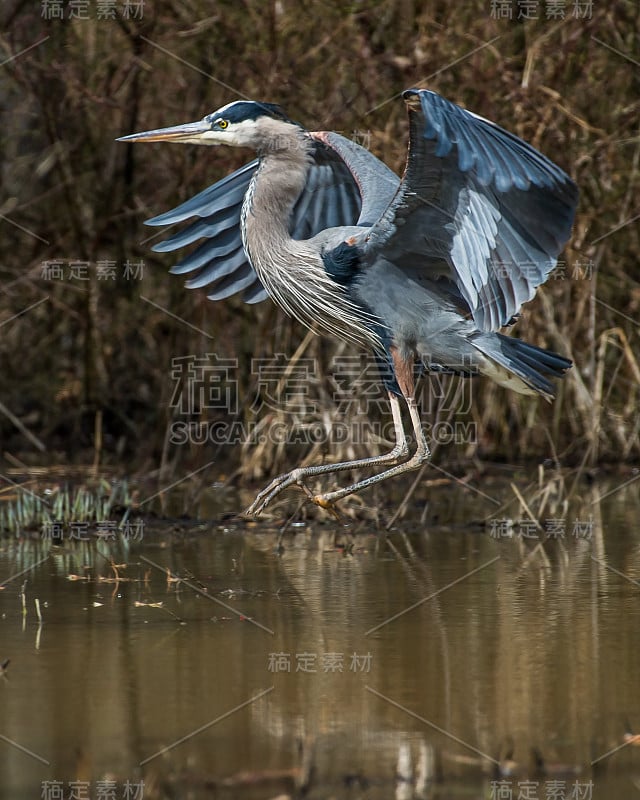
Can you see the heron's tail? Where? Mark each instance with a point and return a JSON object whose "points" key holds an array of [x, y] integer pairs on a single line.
{"points": [[519, 365]]}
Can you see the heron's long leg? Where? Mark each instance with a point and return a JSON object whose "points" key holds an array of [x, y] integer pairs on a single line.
{"points": [[297, 476], [421, 455]]}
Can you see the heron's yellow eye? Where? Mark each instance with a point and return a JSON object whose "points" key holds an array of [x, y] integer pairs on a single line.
{"points": [[223, 123]]}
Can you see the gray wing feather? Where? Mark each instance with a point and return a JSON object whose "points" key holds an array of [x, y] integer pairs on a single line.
{"points": [[481, 200], [242, 278], [377, 184], [220, 261], [330, 197], [213, 226], [224, 244], [219, 268], [256, 293], [227, 192]]}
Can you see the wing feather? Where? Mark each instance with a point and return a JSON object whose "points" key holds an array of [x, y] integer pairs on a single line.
{"points": [[227, 192], [490, 205], [218, 268]]}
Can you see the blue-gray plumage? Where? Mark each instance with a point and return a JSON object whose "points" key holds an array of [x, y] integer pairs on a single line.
{"points": [[425, 269]]}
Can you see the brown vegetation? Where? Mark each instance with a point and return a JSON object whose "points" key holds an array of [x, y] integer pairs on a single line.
{"points": [[86, 361]]}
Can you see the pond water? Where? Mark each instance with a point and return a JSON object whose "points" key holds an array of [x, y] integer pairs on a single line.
{"points": [[330, 659]]}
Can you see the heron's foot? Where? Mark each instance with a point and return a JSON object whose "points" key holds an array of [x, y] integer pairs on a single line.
{"points": [[276, 486], [324, 501]]}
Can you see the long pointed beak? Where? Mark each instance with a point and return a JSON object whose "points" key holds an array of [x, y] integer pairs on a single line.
{"points": [[189, 132]]}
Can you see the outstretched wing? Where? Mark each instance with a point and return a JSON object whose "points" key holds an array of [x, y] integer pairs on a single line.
{"points": [[335, 195], [477, 208], [219, 262], [375, 182]]}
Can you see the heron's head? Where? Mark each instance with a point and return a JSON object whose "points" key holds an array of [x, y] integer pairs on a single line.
{"points": [[244, 123]]}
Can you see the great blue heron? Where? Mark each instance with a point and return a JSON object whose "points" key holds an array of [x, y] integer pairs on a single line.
{"points": [[424, 268]]}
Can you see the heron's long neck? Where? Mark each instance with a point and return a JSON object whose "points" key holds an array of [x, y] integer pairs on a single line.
{"points": [[274, 190], [292, 270]]}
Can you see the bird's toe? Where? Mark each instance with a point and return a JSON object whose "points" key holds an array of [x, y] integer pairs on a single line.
{"points": [[325, 502]]}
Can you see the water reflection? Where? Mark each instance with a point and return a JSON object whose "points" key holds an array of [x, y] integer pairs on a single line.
{"points": [[360, 663]]}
